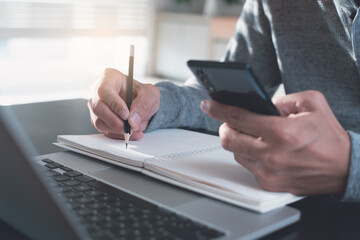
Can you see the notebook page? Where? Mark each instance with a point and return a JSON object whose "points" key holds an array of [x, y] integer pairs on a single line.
{"points": [[133, 167], [219, 171], [158, 143], [169, 142], [100, 146]]}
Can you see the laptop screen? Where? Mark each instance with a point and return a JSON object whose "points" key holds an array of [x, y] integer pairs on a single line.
{"points": [[26, 201]]}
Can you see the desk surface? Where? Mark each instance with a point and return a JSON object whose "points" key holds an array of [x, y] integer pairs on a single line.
{"points": [[322, 217]]}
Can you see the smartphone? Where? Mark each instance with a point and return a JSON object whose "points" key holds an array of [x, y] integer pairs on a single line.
{"points": [[233, 83]]}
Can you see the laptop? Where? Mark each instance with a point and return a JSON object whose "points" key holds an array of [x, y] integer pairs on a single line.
{"points": [[65, 195]]}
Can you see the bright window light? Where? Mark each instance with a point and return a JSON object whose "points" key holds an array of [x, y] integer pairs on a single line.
{"points": [[54, 49]]}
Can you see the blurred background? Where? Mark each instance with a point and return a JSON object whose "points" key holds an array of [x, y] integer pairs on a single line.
{"points": [[54, 49]]}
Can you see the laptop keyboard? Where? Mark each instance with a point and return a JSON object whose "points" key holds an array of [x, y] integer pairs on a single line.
{"points": [[109, 213]]}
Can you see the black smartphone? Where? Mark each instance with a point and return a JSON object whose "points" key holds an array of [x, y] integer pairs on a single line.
{"points": [[233, 83]]}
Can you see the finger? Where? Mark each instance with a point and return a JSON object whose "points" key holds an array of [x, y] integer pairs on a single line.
{"points": [[115, 135], [114, 101], [100, 125], [109, 92], [287, 105], [98, 109], [141, 127], [137, 135], [242, 120], [240, 143], [299, 102], [144, 105]]}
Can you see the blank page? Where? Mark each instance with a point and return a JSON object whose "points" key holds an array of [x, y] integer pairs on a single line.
{"points": [[217, 169], [160, 143]]}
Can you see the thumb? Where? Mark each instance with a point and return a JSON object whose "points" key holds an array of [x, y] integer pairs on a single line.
{"points": [[287, 105], [307, 101], [145, 104]]}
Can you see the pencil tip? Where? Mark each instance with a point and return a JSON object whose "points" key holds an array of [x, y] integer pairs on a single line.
{"points": [[127, 138]]}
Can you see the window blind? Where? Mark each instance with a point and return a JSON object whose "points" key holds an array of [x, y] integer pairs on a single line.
{"points": [[73, 17]]}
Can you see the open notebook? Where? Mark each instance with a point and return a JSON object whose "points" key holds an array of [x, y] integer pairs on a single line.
{"points": [[188, 159]]}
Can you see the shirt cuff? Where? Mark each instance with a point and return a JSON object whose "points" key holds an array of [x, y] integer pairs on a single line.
{"points": [[352, 190]]}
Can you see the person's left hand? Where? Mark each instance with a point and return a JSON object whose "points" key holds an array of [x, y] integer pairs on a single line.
{"points": [[305, 151]]}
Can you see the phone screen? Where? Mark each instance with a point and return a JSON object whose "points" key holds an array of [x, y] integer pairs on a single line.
{"points": [[233, 84]]}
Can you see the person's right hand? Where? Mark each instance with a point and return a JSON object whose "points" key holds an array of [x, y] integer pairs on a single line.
{"points": [[108, 109], [305, 151]]}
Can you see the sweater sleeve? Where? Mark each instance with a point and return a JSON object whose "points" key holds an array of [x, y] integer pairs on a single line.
{"points": [[180, 107], [352, 190], [253, 43]]}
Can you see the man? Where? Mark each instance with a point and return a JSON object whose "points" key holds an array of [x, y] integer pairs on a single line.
{"points": [[313, 47]]}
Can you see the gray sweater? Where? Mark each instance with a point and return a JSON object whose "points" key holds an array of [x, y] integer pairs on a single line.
{"points": [[305, 44]]}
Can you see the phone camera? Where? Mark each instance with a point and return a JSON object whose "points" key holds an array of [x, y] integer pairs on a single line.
{"points": [[203, 78]]}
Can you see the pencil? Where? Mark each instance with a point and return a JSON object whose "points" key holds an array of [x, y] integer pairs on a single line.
{"points": [[129, 90]]}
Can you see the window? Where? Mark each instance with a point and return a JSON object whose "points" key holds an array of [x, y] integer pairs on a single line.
{"points": [[52, 49]]}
